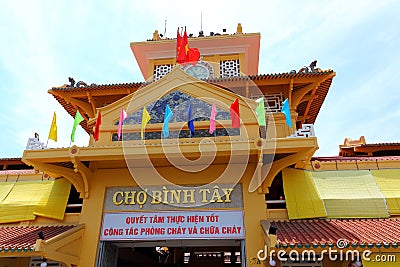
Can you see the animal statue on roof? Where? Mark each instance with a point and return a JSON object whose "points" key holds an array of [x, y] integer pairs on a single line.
{"points": [[71, 81], [313, 66], [303, 70], [81, 84]]}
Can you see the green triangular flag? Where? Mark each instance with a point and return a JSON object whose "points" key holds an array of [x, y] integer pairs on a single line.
{"points": [[260, 112], [78, 119]]}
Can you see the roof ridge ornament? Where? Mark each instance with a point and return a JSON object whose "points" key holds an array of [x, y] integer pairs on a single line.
{"points": [[312, 68]]}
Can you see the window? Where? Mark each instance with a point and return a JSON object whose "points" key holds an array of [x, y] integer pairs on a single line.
{"points": [[161, 70], [229, 68]]}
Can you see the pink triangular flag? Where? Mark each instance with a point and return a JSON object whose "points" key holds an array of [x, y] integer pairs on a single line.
{"points": [[122, 117], [212, 119]]}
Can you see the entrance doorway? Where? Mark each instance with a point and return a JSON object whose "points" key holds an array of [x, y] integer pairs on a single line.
{"points": [[171, 253]]}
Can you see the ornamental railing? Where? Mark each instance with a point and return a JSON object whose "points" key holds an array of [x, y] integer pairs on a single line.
{"points": [[306, 130], [34, 144]]}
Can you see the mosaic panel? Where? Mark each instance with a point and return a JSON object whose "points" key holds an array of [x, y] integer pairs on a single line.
{"points": [[179, 104], [179, 134]]}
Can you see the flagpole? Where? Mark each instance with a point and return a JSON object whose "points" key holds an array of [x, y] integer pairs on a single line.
{"points": [[215, 135]]}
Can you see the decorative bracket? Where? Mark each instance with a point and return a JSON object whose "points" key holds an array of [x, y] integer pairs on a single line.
{"points": [[86, 107], [59, 247], [278, 165], [79, 167], [58, 171]]}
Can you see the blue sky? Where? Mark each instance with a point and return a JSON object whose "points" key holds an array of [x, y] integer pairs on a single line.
{"points": [[45, 42]]}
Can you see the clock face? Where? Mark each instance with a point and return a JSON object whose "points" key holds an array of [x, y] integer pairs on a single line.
{"points": [[201, 70]]}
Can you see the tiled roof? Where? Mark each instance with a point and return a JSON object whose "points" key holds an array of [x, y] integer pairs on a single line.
{"points": [[136, 85], [11, 159], [23, 238], [94, 87], [355, 158], [380, 144], [327, 232], [352, 148]]}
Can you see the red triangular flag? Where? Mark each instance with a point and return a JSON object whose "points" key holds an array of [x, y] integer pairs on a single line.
{"points": [[235, 115], [97, 128]]}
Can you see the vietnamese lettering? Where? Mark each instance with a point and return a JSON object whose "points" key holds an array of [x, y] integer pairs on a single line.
{"points": [[157, 219], [130, 198], [152, 231], [231, 230], [176, 219], [216, 194], [209, 230], [113, 231], [212, 218], [136, 220], [195, 218], [176, 231], [192, 230], [131, 231]]}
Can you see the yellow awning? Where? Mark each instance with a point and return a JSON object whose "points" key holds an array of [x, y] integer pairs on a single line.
{"points": [[350, 194], [5, 189], [24, 200], [302, 198], [339, 194], [53, 202], [388, 182]]}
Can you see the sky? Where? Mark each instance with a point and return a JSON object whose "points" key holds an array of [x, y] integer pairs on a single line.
{"points": [[45, 42]]}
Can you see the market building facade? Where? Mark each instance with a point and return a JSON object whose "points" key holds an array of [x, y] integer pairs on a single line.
{"points": [[180, 192]]}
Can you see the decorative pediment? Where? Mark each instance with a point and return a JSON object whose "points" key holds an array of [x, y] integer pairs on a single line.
{"points": [[176, 90], [179, 103]]}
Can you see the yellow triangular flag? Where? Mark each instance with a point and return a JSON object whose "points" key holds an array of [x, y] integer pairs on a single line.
{"points": [[53, 128], [145, 119]]}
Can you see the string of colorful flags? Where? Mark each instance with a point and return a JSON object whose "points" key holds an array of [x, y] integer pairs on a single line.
{"points": [[146, 117]]}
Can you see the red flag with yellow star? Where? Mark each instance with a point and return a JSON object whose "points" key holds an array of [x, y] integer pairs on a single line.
{"points": [[184, 54], [183, 47]]}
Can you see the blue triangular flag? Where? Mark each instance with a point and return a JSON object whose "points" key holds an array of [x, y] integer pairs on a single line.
{"points": [[286, 110], [190, 119], [167, 117]]}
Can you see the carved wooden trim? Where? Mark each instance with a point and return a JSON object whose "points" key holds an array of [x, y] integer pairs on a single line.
{"points": [[278, 165]]}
